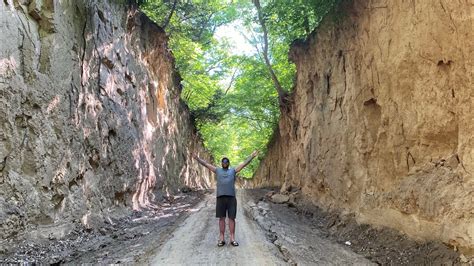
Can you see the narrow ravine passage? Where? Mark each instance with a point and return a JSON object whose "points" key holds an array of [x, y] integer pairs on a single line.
{"points": [[362, 113]]}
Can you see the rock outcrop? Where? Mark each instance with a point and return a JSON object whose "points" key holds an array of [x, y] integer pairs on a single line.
{"points": [[91, 122], [382, 118]]}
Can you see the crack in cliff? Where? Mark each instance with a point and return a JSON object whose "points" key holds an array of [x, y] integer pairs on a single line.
{"points": [[26, 30], [344, 71], [22, 55], [410, 156], [84, 39], [100, 60], [328, 85]]}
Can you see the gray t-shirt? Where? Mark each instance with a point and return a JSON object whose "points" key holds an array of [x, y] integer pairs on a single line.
{"points": [[225, 182]]}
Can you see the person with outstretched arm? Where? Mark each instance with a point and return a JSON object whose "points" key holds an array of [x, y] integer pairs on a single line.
{"points": [[226, 203]]}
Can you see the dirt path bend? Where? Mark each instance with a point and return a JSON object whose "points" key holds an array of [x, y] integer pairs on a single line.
{"points": [[195, 242]]}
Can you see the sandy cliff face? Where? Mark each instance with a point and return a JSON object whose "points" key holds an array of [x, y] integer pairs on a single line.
{"points": [[382, 119], [91, 124]]}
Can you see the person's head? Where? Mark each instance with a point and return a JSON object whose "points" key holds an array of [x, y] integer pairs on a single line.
{"points": [[225, 162]]}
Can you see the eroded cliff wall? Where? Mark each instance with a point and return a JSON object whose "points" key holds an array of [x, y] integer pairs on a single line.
{"points": [[382, 118], [91, 123]]}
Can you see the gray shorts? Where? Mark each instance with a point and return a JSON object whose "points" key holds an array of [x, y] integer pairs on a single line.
{"points": [[226, 205]]}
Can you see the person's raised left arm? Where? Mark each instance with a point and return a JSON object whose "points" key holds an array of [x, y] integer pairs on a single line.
{"points": [[246, 162]]}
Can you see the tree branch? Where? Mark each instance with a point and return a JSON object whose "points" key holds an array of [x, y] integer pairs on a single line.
{"points": [[231, 81], [167, 21]]}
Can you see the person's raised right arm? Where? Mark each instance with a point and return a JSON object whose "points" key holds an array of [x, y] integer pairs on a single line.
{"points": [[206, 164]]}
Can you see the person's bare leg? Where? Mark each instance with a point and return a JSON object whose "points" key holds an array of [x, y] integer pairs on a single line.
{"points": [[221, 228], [232, 229]]}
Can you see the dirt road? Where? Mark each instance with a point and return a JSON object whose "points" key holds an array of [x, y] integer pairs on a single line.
{"points": [[185, 231], [195, 242]]}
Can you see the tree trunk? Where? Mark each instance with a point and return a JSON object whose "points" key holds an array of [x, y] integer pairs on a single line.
{"points": [[282, 95]]}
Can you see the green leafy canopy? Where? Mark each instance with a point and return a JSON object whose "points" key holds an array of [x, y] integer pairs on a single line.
{"points": [[232, 97]]}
